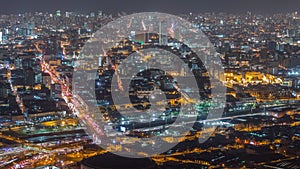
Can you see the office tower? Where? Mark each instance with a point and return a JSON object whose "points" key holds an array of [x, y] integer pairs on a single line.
{"points": [[100, 13], [58, 13], [1, 37], [100, 61], [67, 14], [163, 33], [29, 77]]}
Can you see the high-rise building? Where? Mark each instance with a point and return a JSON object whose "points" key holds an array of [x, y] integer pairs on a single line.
{"points": [[4, 90], [58, 13], [29, 77], [92, 14], [26, 115], [1, 37], [46, 80], [67, 14], [30, 28], [163, 33], [100, 61], [38, 78], [100, 13], [55, 91]]}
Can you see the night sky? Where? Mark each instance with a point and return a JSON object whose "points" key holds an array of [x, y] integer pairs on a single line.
{"points": [[168, 6]]}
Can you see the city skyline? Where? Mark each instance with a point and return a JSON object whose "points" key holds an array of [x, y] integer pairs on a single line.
{"points": [[86, 86], [167, 6]]}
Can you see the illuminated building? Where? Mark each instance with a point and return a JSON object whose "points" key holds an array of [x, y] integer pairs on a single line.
{"points": [[163, 33], [1, 37], [254, 77], [58, 13]]}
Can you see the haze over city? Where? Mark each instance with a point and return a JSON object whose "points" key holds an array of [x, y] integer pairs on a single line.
{"points": [[158, 84], [166, 6]]}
